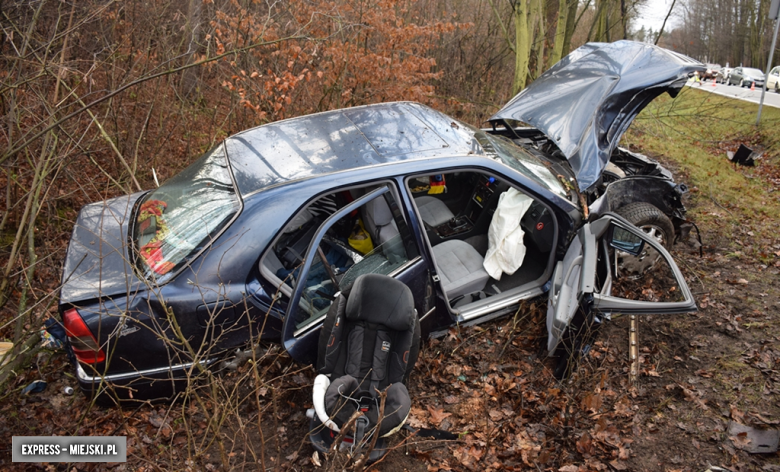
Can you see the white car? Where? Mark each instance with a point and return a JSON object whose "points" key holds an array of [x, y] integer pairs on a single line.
{"points": [[773, 80]]}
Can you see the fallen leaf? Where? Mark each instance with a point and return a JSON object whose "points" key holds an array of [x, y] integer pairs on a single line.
{"points": [[585, 444], [437, 415], [623, 453], [618, 465], [592, 403], [741, 440], [736, 415]]}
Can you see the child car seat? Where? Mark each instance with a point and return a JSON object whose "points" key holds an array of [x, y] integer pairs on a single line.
{"points": [[369, 343]]}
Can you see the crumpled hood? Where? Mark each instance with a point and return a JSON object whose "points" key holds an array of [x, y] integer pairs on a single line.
{"points": [[97, 263], [586, 101]]}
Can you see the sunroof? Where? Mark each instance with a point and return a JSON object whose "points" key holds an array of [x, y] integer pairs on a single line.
{"points": [[395, 130]]}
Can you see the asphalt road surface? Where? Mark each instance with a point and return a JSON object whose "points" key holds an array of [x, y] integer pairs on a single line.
{"points": [[771, 99]]}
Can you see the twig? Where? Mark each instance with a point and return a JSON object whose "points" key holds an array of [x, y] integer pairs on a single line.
{"points": [[367, 454], [718, 204]]}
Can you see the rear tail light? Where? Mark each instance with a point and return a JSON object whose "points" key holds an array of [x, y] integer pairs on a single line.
{"points": [[84, 344]]}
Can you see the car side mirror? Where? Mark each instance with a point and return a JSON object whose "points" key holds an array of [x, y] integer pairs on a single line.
{"points": [[625, 241]]}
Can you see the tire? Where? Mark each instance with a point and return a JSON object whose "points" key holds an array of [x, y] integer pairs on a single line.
{"points": [[655, 224], [777, 90]]}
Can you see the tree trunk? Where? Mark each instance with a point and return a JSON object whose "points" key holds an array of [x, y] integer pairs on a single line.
{"points": [[539, 38], [560, 32], [522, 45], [192, 29], [571, 24]]}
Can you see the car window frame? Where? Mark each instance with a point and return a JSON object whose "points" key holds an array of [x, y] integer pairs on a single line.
{"points": [[284, 288], [134, 249], [291, 333], [568, 291]]}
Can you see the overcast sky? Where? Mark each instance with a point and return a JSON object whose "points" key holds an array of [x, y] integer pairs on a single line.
{"points": [[652, 14]]}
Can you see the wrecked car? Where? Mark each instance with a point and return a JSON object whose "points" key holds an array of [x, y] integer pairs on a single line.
{"points": [[256, 239]]}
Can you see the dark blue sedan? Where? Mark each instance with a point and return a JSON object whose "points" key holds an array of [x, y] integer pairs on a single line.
{"points": [[256, 238]]}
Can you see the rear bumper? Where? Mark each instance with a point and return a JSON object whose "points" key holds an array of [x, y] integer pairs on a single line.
{"points": [[162, 383]]}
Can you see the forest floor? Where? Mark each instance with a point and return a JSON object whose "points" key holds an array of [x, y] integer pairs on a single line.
{"points": [[492, 385]]}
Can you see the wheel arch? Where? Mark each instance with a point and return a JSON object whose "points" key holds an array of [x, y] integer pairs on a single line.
{"points": [[659, 192]]}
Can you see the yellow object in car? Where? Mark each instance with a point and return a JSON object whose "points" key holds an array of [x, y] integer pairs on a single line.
{"points": [[359, 239]]}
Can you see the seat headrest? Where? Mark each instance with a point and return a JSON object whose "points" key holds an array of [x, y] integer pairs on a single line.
{"points": [[379, 211], [380, 299]]}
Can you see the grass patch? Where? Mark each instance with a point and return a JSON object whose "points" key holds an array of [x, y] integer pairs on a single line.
{"points": [[695, 130]]}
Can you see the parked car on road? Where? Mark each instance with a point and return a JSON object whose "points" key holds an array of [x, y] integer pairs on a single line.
{"points": [[773, 80], [255, 239], [746, 77]]}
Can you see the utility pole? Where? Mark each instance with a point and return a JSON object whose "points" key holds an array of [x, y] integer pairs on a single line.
{"points": [[773, 13]]}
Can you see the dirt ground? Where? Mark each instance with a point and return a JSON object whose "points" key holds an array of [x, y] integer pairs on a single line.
{"points": [[492, 386]]}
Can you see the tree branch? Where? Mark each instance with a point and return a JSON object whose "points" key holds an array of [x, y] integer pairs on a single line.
{"points": [[121, 89]]}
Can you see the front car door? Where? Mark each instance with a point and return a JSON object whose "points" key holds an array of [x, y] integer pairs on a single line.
{"points": [[593, 282]]}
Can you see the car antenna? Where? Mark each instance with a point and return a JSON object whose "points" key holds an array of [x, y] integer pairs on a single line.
{"points": [[154, 174]]}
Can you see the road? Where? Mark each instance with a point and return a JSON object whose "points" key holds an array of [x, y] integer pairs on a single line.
{"points": [[771, 99]]}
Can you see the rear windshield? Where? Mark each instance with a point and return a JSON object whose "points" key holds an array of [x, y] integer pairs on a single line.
{"points": [[178, 219]]}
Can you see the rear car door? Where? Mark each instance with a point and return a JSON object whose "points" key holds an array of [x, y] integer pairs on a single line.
{"points": [[589, 280], [319, 280]]}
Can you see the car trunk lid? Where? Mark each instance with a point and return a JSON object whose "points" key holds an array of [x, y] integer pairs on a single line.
{"points": [[585, 102], [98, 263]]}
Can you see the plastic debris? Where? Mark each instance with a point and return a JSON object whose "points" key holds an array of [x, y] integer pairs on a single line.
{"points": [[744, 156], [48, 341], [67, 390], [36, 387], [5, 347], [754, 440], [56, 331]]}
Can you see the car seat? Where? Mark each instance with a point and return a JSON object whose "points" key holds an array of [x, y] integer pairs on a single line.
{"points": [[369, 343]]}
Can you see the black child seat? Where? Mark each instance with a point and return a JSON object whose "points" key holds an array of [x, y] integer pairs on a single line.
{"points": [[369, 342]]}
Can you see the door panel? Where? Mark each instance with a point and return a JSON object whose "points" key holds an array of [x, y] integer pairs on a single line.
{"points": [[566, 290], [660, 289]]}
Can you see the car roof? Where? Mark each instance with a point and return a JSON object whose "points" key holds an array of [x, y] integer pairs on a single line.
{"points": [[339, 140]]}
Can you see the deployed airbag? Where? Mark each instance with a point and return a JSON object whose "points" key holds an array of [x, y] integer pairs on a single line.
{"points": [[506, 250]]}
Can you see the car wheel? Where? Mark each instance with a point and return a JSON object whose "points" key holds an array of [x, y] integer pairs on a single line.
{"points": [[655, 224], [777, 90]]}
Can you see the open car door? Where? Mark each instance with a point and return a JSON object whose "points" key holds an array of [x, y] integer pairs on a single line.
{"points": [[595, 278], [319, 278]]}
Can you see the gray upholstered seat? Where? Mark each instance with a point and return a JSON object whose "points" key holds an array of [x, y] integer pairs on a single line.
{"points": [[433, 211], [379, 221], [460, 268]]}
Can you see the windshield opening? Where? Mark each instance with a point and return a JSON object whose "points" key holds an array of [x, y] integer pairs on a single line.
{"points": [[517, 158], [180, 218]]}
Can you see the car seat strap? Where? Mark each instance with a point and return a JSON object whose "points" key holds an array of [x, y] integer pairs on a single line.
{"points": [[354, 351], [382, 348], [333, 346]]}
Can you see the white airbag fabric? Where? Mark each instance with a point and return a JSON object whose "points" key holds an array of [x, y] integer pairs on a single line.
{"points": [[506, 250]]}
